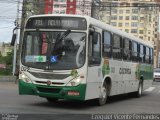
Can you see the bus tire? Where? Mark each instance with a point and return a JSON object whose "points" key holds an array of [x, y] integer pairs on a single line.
{"points": [[104, 95], [51, 100], [140, 90]]}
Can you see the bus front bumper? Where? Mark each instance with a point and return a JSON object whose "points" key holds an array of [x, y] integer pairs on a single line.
{"points": [[60, 92]]}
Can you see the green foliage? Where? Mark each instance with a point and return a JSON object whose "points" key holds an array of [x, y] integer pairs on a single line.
{"points": [[7, 71], [8, 61]]}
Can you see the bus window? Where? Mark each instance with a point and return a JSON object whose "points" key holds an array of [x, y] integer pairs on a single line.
{"points": [[126, 49], [134, 51], [116, 49], [94, 49], [32, 41], [147, 55], [44, 44], [107, 44], [141, 54], [151, 56]]}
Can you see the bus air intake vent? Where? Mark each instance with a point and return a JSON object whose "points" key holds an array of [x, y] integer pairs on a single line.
{"points": [[50, 76], [54, 83], [48, 90]]}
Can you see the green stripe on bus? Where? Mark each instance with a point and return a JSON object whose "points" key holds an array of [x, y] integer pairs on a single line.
{"points": [[32, 89]]}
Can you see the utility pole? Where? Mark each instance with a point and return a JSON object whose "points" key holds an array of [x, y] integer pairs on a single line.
{"points": [[94, 10], [110, 12], [15, 44], [23, 18]]}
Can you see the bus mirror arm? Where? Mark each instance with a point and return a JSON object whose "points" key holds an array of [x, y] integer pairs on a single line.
{"points": [[91, 29], [92, 32], [14, 36]]}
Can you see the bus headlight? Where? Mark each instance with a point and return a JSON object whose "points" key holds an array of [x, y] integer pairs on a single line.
{"points": [[24, 78], [74, 82]]}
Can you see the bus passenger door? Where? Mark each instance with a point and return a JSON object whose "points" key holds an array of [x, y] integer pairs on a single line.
{"points": [[94, 78]]}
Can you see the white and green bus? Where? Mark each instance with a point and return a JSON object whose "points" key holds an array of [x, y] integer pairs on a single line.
{"points": [[77, 57]]}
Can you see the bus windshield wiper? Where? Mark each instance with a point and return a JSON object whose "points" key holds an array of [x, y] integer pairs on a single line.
{"points": [[60, 38], [57, 49]]}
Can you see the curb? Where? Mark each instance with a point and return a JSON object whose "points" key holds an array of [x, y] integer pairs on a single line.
{"points": [[8, 78]]}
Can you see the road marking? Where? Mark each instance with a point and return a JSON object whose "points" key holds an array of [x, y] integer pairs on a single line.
{"points": [[150, 89]]}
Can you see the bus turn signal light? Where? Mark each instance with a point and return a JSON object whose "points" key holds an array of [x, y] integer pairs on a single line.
{"points": [[73, 93]]}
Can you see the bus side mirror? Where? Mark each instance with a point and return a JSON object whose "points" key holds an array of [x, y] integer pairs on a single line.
{"points": [[13, 39], [14, 36]]}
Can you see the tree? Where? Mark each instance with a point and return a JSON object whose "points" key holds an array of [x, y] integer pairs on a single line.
{"points": [[0, 57], [8, 59]]}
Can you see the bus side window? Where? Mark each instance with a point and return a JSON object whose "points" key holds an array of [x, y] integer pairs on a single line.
{"points": [[116, 48], [144, 49], [147, 55], [94, 49], [107, 44], [141, 54], [135, 51], [126, 49], [151, 56]]}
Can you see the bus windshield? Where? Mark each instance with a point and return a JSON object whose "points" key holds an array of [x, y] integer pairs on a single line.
{"points": [[54, 50]]}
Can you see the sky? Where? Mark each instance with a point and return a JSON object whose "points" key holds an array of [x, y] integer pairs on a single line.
{"points": [[8, 13]]}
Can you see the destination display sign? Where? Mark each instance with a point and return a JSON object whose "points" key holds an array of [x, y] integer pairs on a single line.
{"points": [[57, 23]]}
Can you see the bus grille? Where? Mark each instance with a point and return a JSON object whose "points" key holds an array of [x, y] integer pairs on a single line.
{"points": [[48, 90], [50, 76], [53, 83]]}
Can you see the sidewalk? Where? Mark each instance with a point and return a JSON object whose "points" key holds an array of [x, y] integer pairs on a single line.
{"points": [[7, 78]]}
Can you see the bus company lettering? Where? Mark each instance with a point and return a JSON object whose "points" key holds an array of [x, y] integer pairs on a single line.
{"points": [[124, 71]]}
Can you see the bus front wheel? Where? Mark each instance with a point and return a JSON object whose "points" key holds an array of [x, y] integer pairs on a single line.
{"points": [[104, 95], [51, 100]]}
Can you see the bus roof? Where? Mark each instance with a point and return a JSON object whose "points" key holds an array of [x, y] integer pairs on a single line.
{"points": [[102, 25]]}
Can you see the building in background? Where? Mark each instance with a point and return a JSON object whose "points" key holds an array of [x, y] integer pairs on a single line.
{"points": [[80, 7], [5, 48], [158, 51], [142, 21]]}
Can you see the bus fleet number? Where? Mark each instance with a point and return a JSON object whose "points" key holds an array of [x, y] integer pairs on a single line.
{"points": [[24, 68]]}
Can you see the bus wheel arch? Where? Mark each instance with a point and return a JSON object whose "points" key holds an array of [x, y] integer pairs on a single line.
{"points": [[141, 79], [104, 92], [141, 85], [108, 82], [139, 92]]}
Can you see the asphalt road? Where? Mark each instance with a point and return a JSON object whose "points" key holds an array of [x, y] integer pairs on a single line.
{"points": [[12, 102]]}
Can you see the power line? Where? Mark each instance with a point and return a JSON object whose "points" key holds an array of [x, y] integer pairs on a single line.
{"points": [[6, 21], [6, 27], [7, 10], [6, 17], [10, 1]]}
